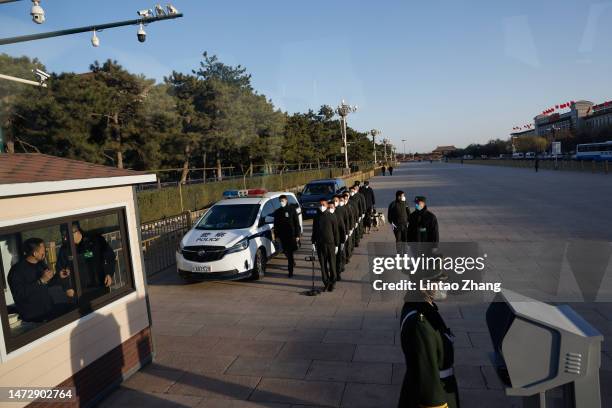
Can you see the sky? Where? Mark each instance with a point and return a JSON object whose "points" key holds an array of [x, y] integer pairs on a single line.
{"points": [[435, 72]]}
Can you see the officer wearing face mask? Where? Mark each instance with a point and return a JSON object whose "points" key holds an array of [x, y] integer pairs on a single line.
{"points": [[338, 211], [422, 223], [354, 204], [325, 240], [350, 225], [360, 207], [398, 214], [287, 230], [370, 202]]}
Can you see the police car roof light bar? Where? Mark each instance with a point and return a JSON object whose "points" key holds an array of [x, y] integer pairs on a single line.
{"points": [[254, 192]]}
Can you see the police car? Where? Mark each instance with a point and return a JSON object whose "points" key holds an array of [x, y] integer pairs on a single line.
{"points": [[233, 239]]}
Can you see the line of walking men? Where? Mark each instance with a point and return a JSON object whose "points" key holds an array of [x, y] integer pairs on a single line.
{"points": [[338, 227]]}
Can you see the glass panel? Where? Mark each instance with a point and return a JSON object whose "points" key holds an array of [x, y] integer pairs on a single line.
{"points": [[99, 255], [37, 290], [231, 216]]}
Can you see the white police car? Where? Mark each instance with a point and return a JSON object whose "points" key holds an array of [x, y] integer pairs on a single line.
{"points": [[233, 239]]}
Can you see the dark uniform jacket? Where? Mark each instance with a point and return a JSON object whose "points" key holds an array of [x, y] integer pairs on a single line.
{"points": [[287, 227], [428, 350], [32, 298], [368, 194], [95, 258], [423, 226], [349, 217], [354, 208], [325, 229], [361, 202], [398, 213], [340, 219]]}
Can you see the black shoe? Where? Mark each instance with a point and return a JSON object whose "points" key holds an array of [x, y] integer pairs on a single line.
{"points": [[291, 274], [339, 278], [330, 288]]}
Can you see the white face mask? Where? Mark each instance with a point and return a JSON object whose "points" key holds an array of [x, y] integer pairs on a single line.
{"points": [[322, 208], [337, 203], [332, 210], [352, 193], [341, 203], [283, 203], [402, 198]]}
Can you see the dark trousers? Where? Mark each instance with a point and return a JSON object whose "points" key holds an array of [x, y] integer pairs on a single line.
{"points": [[401, 237], [290, 261], [327, 259], [367, 221], [339, 263]]}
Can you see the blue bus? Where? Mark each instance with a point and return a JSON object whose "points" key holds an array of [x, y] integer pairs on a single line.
{"points": [[594, 151]]}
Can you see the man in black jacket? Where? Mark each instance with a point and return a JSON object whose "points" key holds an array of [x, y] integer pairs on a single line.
{"points": [[350, 225], [30, 281], [287, 230], [325, 240], [422, 223], [370, 202], [398, 214], [338, 211]]}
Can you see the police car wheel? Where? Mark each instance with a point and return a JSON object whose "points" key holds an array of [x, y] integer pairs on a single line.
{"points": [[259, 265]]}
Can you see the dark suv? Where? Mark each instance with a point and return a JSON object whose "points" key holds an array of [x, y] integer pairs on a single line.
{"points": [[315, 191]]}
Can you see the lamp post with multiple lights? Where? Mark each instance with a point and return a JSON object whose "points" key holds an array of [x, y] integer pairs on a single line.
{"points": [[343, 110], [374, 133]]}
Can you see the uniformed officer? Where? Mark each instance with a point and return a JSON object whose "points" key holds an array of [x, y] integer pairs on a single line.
{"points": [[370, 202], [338, 211], [427, 344], [325, 241], [350, 225], [398, 214], [359, 207], [354, 204], [287, 229], [422, 223], [362, 207]]}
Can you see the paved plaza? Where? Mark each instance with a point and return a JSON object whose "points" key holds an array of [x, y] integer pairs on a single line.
{"points": [[263, 344]]}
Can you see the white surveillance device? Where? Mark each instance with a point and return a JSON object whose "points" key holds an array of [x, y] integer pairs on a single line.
{"points": [[95, 40], [145, 13], [41, 75], [159, 11], [142, 34], [171, 9], [37, 12]]}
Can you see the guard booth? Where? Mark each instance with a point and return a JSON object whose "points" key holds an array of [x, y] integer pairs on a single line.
{"points": [[88, 326], [540, 347]]}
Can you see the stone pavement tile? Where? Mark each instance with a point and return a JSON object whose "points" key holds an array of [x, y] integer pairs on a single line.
{"points": [[492, 378], [152, 380], [291, 334], [359, 336], [277, 320], [234, 332], [474, 312], [481, 341], [298, 392], [379, 353], [472, 357], [264, 367], [126, 398], [487, 398], [166, 343], [380, 322], [469, 377], [352, 323], [213, 319], [215, 386], [371, 396], [317, 351], [224, 403], [177, 329], [372, 373], [461, 340], [193, 362], [465, 325], [242, 347], [399, 370]]}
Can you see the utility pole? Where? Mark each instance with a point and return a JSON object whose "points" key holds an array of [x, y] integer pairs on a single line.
{"points": [[343, 110], [404, 143], [385, 141], [374, 133]]}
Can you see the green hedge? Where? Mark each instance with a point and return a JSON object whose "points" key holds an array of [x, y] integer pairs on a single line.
{"points": [[166, 202]]}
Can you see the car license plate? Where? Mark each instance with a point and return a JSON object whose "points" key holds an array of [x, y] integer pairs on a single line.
{"points": [[311, 211], [201, 268]]}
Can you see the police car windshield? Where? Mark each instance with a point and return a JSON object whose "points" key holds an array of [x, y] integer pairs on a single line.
{"points": [[318, 189], [221, 217]]}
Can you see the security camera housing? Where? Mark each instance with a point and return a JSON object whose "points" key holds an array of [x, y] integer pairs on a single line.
{"points": [[41, 75], [142, 34], [38, 13]]}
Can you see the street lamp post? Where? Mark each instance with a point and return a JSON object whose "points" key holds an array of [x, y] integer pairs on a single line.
{"points": [[374, 133], [343, 111], [385, 141], [404, 143]]}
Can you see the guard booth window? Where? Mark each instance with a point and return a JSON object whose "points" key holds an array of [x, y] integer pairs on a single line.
{"points": [[57, 271]]}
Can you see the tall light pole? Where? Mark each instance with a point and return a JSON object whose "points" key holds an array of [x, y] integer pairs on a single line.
{"points": [[404, 143], [374, 133], [385, 141], [343, 110]]}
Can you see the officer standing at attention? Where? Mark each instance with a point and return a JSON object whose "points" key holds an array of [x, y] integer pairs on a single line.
{"points": [[356, 204], [422, 223], [287, 229], [384, 170], [334, 208], [398, 214], [427, 344], [350, 224], [370, 202], [390, 170], [358, 197], [325, 241]]}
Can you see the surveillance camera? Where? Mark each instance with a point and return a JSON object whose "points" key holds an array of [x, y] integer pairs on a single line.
{"points": [[41, 75], [37, 12], [95, 41], [142, 34], [159, 11], [171, 9], [145, 13]]}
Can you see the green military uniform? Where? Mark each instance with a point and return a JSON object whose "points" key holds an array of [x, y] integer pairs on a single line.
{"points": [[428, 349]]}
